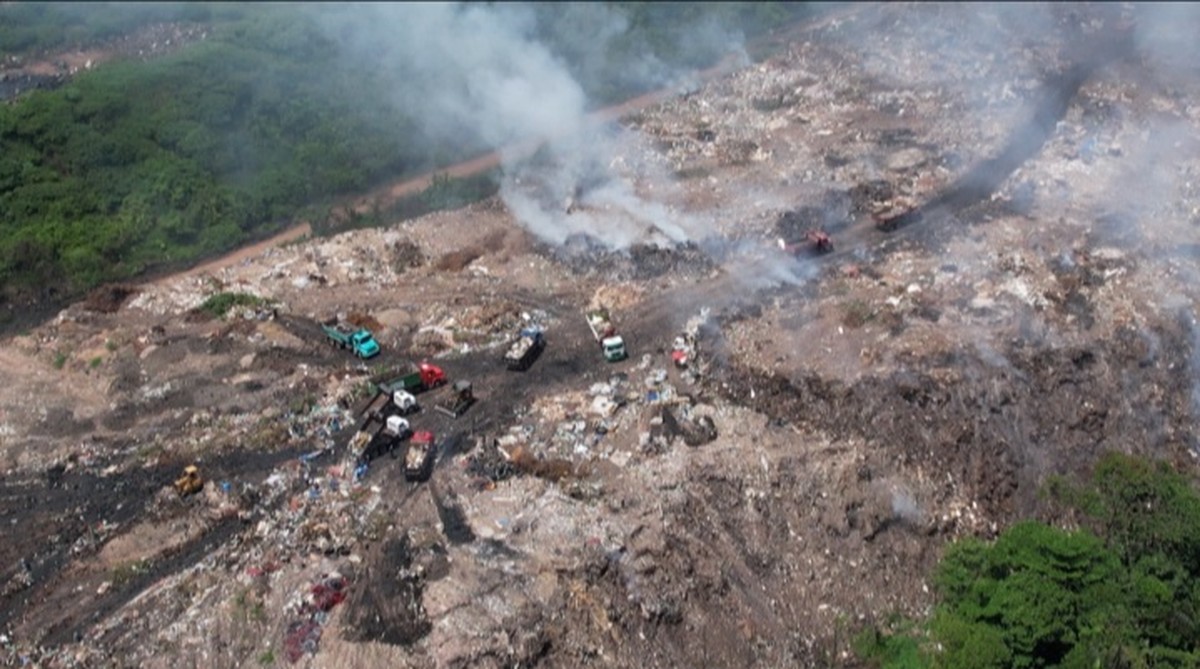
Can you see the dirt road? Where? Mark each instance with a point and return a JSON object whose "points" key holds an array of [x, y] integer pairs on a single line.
{"points": [[234, 257]]}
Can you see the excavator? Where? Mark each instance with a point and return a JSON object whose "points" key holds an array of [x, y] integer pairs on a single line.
{"points": [[190, 482]]}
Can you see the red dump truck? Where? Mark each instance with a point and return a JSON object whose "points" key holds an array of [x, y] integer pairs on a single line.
{"points": [[424, 377]]}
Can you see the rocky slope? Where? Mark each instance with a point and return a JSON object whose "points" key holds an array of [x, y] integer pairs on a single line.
{"points": [[844, 416]]}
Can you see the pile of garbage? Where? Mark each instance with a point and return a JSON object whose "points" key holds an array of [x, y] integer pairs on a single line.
{"points": [[489, 464], [303, 635]]}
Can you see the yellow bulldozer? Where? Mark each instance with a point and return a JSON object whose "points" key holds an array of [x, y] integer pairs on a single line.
{"points": [[190, 482]]}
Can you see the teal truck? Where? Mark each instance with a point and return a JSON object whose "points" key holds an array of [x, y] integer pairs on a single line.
{"points": [[360, 340]]}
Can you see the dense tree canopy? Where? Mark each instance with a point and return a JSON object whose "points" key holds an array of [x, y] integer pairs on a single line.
{"points": [[1123, 593], [140, 164]]}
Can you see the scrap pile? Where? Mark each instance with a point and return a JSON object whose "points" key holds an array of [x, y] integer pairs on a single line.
{"points": [[304, 635]]}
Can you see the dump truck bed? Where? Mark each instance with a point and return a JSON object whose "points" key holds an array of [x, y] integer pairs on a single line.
{"points": [[418, 461], [520, 353]]}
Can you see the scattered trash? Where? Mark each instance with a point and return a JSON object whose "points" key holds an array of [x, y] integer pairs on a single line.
{"points": [[303, 638], [327, 594]]}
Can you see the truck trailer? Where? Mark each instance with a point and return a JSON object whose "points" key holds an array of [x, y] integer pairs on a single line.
{"points": [[525, 349], [360, 341], [424, 377], [418, 461]]}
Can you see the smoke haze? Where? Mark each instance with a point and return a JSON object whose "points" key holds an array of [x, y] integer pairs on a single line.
{"points": [[478, 73]]}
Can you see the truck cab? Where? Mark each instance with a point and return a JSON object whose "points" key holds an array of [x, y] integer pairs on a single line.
{"points": [[605, 333], [614, 349], [364, 344], [395, 430], [396, 427], [424, 377], [432, 376]]}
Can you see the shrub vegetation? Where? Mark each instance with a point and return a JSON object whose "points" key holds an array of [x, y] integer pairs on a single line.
{"points": [[137, 165], [1124, 591]]}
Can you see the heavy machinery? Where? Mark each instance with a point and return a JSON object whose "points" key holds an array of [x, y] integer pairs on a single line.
{"points": [[457, 401], [525, 349], [360, 341], [424, 377], [418, 461], [191, 481], [683, 349], [395, 403], [395, 430], [605, 334], [815, 241]]}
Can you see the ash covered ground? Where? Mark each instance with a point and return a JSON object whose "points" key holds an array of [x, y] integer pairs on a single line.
{"points": [[1028, 304]]}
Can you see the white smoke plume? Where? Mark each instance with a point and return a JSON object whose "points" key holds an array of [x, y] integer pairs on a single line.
{"points": [[478, 74]]}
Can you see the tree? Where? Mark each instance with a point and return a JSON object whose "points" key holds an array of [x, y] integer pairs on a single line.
{"points": [[1034, 590]]}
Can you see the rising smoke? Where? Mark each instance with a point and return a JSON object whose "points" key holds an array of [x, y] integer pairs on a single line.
{"points": [[479, 74]]}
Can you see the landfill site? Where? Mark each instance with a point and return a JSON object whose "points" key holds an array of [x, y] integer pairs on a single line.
{"points": [[891, 280]]}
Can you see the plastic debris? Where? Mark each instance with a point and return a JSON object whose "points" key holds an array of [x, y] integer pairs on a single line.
{"points": [[303, 638]]}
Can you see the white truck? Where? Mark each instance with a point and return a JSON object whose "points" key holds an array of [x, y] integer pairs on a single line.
{"points": [[395, 402], [605, 334], [395, 430]]}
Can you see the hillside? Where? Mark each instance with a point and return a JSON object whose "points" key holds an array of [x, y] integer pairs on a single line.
{"points": [[1008, 300], [143, 138]]}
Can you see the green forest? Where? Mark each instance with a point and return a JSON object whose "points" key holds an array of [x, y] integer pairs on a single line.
{"points": [[1121, 590], [139, 165]]}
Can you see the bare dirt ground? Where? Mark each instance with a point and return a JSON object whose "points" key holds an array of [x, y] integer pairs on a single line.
{"points": [[20, 74], [846, 415]]}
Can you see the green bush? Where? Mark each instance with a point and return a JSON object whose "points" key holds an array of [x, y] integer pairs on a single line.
{"points": [[125, 572], [219, 304], [896, 650], [1124, 593]]}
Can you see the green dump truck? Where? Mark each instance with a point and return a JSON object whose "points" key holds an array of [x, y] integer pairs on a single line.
{"points": [[424, 377]]}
